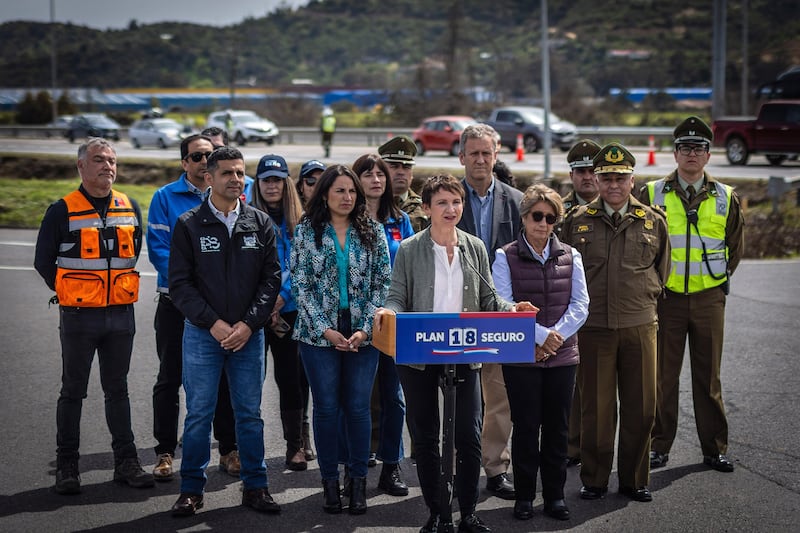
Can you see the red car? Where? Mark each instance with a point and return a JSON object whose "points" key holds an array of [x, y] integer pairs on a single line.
{"points": [[441, 133]]}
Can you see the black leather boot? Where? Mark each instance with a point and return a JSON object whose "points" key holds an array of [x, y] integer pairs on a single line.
{"points": [[309, 451], [333, 500], [293, 433], [358, 495]]}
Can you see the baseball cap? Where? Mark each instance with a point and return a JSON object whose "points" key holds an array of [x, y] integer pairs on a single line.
{"points": [[272, 165], [310, 166]]}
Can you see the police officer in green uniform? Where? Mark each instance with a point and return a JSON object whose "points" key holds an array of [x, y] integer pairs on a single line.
{"points": [[398, 153], [706, 230], [584, 189], [626, 254]]}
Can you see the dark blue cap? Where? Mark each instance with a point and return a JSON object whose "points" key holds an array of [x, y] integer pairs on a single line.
{"points": [[272, 165]]}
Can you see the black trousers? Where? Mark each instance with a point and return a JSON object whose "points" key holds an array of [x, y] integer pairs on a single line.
{"points": [[168, 324], [421, 390], [290, 376], [108, 331], [540, 400]]}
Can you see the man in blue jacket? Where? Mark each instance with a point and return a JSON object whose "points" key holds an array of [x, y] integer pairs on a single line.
{"points": [[168, 203], [224, 277]]}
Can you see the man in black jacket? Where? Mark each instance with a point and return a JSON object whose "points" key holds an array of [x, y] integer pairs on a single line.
{"points": [[224, 277]]}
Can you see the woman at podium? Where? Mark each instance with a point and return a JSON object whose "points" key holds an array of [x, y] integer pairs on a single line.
{"points": [[444, 269], [539, 268]]}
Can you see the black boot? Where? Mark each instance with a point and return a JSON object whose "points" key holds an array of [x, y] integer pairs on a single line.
{"points": [[358, 495], [390, 481], [293, 433], [330, 492], [307, 449]]}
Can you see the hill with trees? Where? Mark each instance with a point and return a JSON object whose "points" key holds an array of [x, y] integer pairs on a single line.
{"points": [[425, 51]]}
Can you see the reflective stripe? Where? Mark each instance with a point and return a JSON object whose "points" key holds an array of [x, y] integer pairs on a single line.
{"points": [[162, 227], [679, 241], [699, 268], [111, 221], [76, 263]]}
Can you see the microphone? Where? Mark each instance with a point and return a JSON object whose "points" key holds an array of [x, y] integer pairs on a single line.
{"points": [[462, 251]]}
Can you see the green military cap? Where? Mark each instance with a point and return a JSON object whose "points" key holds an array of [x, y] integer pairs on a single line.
{"points": [[693, 130], [582, 153], [398, 149], [614, 157]]}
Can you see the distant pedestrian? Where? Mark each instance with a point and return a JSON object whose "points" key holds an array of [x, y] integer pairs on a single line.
{"points": [[327, 127], [224, 277], [86, 251]]}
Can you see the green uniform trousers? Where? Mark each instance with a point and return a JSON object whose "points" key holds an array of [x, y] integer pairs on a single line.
{"points": [[622, 363], [701, 316]]}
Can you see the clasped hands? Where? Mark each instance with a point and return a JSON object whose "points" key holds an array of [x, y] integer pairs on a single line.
{"points": [[343, 344], [231, 337]]}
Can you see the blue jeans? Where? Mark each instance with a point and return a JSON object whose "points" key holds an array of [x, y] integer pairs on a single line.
{"points": [[203, 361], [340, 382]]}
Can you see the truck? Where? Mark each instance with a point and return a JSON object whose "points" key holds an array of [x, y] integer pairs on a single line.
{"points": [[528, 121], [775, 133]]}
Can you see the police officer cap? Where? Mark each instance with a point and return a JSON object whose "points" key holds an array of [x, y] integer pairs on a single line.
{"points": [[614, 157], [582, 153], [399, 149], [693, 130]]}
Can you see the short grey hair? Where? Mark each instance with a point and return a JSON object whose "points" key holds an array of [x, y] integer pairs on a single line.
{"points": [[478, 131], [92, 142]]}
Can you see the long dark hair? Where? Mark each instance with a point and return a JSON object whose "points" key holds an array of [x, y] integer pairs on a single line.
{"points": [[386, 208], [318, 215]]}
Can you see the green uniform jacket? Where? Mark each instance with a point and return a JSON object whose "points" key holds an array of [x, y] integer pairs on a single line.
{"points": [[626, 268], [412, 206]]}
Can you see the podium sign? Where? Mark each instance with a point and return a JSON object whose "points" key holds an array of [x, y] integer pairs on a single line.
{"points": [[459, 338]]}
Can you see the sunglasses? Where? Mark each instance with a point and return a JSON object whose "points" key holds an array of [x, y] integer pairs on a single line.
{"points": [[197, 156], [537, 216], [310, 181]]}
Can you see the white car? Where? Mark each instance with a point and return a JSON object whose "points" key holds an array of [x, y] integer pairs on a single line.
{"points": [[244, 126], [160, 132]]}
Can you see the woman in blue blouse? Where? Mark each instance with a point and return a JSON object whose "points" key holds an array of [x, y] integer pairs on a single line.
{"points": [[275, 195], [373, 173], [340, 276]]}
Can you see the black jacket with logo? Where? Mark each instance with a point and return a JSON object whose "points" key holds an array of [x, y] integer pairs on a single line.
{"points": [[213, 276]]}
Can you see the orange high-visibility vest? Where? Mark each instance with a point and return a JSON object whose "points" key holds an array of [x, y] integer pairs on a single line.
{"points": [[95, 268]]}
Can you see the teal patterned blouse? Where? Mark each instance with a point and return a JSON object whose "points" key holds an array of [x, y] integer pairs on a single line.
{"points": [[315, 282]]}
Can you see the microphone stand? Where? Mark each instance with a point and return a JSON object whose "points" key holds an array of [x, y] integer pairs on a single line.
{"points": [[448, 382]]}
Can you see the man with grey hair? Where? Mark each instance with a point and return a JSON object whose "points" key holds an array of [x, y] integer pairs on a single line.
{"points": [[491, 212], [86, 251]]}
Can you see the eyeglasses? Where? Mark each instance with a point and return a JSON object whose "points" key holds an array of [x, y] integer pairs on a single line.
{"points": [[197, 156], [686, 149], [537, 216], [310, 181]]}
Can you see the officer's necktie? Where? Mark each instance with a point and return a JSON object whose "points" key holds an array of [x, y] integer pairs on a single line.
{"points": [[615, 218], [690, 192]]}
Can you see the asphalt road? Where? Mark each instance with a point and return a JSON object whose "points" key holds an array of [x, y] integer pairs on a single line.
{"points": [[761, 387], [347, 153]]}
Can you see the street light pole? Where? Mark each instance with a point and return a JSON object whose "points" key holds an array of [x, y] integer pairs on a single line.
{"points": [[53, 102], [546, 91]]}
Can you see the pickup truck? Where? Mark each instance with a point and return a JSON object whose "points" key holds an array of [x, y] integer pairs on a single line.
{"points": [[775, 133], [529, 122]]}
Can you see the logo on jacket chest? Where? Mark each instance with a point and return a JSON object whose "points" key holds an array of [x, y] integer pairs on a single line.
{"points": [[249, 242], [209, 244]]}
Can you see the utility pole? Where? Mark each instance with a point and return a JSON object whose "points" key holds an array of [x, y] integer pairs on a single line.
{"points": [[718, 59], [745, 58], [546, 91], [53, 102]]}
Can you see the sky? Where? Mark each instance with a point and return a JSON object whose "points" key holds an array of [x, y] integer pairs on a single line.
{"points": [[103, 14]]}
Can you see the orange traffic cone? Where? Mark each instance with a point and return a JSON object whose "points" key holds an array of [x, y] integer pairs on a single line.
{"points": [[520, 148], [651, 156]]}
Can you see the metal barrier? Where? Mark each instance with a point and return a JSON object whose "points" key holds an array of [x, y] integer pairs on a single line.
{"points": [[635, 136]]}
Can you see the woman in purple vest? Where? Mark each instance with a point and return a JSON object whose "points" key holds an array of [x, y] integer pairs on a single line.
{"points": [[539, 268]]}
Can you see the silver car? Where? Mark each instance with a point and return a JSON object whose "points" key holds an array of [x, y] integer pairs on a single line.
{"points": [[159, 132]]}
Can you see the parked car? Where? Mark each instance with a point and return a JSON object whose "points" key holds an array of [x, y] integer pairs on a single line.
{"points": [[58, 126], [441, 133], [775, 132], [529, 122], [160, 132], [92, 125], [244, 126]]}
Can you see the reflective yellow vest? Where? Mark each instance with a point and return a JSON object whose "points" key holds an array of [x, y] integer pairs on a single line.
{"points": [[96, 267], [699, 260]]}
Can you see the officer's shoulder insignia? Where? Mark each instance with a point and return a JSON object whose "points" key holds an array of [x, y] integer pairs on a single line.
{"points": [[583, 228], [639, 212], [648, 224], [667, 187], [591, 211]]}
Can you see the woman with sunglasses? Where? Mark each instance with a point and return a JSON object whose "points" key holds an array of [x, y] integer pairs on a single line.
{"points": [[310, 172], [275, 195], [539, 268], [340, 275]]}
